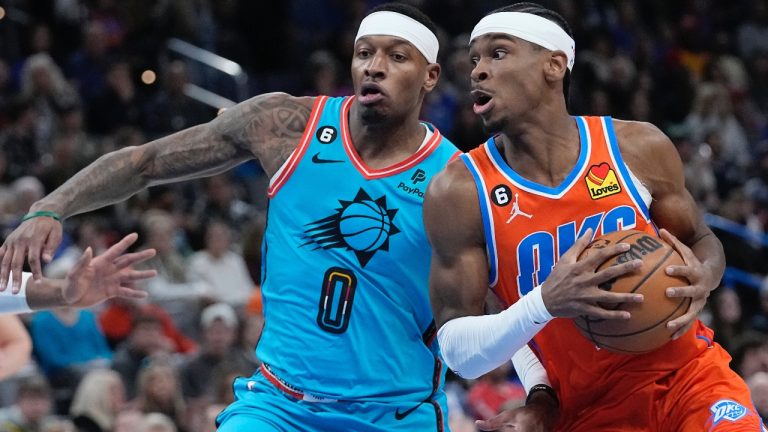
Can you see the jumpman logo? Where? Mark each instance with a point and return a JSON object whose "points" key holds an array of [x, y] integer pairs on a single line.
{"points": [[516, 210]]}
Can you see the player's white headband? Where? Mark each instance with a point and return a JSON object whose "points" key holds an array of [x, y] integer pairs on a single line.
{"points": [[533, 28], [387, 23]]}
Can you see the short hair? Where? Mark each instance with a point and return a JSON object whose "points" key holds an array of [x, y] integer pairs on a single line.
{"points": [[407, 10], [537, 9]]}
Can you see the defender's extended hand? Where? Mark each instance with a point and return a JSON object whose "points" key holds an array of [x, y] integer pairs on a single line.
{"points": [[111, 274]]}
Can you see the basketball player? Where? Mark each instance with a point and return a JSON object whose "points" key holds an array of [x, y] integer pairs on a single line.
{"points": [[348, 342], [89, 282], [574, 176]]}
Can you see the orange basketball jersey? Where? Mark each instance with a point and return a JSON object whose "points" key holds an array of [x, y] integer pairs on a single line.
{"points": [[528, 226]]}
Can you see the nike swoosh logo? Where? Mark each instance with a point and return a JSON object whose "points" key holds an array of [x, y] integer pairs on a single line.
{"points": [[401, 415], [316, 159]]}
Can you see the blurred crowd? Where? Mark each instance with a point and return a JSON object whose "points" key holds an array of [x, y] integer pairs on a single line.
{"points": [[79, 78]]}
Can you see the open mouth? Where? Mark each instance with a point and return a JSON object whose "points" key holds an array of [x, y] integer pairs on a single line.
{"points": [[482, 101], [370, 93], [480, 97], [369, 90]]}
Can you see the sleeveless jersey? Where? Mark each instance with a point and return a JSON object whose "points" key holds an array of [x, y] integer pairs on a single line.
{"points": [[346, 268], [528, 226]]}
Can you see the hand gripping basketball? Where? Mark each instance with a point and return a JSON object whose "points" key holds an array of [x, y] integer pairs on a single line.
{"points": [[572, 289], [646, 330]]}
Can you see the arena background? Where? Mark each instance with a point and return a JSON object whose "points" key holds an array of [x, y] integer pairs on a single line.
{"points": [[79, 78]]}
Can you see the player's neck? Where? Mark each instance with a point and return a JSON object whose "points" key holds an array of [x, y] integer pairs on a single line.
{"points": [[542, 147], [387, 143]]}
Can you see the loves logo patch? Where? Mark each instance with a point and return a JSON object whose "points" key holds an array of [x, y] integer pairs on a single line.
{"points": [[601, 181]]}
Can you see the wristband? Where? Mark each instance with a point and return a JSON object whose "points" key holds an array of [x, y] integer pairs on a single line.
{"points": [[545, 388], [44, 213]]}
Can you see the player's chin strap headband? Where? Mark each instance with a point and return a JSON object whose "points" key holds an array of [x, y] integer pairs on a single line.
{"points": [[533, 28], [386, 23]]}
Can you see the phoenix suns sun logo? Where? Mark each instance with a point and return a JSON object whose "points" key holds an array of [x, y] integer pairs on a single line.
{"points": [[363, 225], [601, 181]]}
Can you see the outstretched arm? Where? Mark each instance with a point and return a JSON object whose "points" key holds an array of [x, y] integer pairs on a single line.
{"points": [[654, 159], [94, 280], [266, 127]]}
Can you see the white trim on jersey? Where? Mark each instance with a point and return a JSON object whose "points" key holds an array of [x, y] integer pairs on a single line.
{"points": [[636, 185]]}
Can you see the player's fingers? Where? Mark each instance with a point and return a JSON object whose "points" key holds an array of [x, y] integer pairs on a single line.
{"points": [[33, 258], [615, 271], [599, 256], [82, 262], [17, 264], [495, 423], [685, 291], [572, 254], [602, 296], [683, 250], [134, 258], [137, 275], [5, 267], [598, 312], [51, 243], [683, 330], [118, 248], [130, 293]]}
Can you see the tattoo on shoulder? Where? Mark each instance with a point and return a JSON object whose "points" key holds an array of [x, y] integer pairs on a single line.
{"points": [[270, 126]]}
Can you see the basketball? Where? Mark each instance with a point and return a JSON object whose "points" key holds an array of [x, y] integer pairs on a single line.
{"points": [[364, 225], [646, 330]]}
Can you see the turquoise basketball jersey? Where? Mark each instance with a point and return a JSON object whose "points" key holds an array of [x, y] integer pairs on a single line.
{"points": [[346, 268]]}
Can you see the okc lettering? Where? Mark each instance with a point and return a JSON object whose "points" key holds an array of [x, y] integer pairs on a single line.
{"points": [[411, 190], [642, 247], [727, 409], [537, 252], [596, 192]]}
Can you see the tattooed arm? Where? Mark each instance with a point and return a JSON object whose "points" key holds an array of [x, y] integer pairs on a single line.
{"points": [[266, 127]]}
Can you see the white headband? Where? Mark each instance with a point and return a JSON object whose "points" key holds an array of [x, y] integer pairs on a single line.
{"points": [[533, 28], [387, 23]]}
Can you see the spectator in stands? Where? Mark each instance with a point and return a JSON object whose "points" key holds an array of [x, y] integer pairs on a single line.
{"points": [[760, 320], [220, 202], [34, 403], [72, 148], [750, 354], [43, 84], [121, 315], [156, 422], [727, 319], [128, 420], [172, 110], [18, 141], [87, 67], [15, 345], [67, 344], [118, 105], [222, 269], [159, 392], [493, 391], [145, 342], [219, 325], [98, 400], [173, 289], [244, 355], [758, 386]]}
